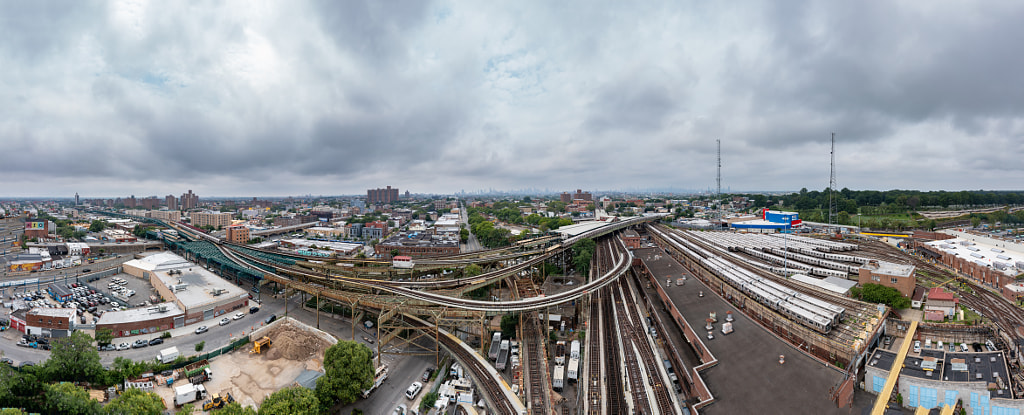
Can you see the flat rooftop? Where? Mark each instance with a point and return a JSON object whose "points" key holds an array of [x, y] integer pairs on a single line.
{"points": [[983, 251], [53, 312], [204, 287], [982, 367], [580, 228], [140, 314], [748, 378]]}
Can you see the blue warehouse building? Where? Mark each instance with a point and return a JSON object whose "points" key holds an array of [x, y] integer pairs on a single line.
{"points": [[772, 221]]}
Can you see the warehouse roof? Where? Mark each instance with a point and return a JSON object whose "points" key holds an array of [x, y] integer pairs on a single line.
{"points": [[140, 314]]}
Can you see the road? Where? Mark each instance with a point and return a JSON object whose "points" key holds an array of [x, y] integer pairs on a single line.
{"points": [[472, 244]]}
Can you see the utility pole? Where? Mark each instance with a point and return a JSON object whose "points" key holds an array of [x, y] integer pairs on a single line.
{"points": [[718, 181], [832, 185]]}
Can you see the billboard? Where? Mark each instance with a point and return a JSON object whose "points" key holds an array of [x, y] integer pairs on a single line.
{"points": [[35, 225]]}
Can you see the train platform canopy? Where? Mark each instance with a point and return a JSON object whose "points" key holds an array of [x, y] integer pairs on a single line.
{"points": [[833, 284], [569, 231], [1009, 262]]}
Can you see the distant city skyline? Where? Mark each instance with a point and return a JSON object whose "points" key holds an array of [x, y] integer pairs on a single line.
{"points": [[286, 98]]}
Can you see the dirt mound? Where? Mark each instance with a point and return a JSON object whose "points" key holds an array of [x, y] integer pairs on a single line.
{"points": [[293, 343]]}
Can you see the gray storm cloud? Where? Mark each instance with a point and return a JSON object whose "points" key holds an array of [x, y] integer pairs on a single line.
{"points": [[328, 97]]}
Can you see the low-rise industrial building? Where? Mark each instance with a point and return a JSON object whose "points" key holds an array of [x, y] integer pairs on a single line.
{"points": [[305, 246], [135, 321], [47, 322], [940, 300], [418, 245], [980, 381], [199, 293], [889, 274]]}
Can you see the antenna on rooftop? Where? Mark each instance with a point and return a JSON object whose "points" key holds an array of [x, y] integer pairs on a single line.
{"points": [[832, 185]]}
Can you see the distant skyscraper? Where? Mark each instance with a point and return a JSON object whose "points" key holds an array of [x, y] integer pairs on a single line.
{"points": [[381, 196], [171, 202], [76, 199]]}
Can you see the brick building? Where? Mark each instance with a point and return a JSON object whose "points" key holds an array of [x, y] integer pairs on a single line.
{"points": [[238, 234], [898, 276], [567, 197], [48, 322], [381, 196], [216, 219], [189, 200], [167, 215], [135, 321], [417, 245]]}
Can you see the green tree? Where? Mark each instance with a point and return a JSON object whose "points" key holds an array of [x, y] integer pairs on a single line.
{"points": [[880, 294], [20, 389], [97, 226], [508, 325], [12, 411], [463, 235], [136, 402], [294, 400], [348, 371], [104, 336], [472, 270], [428, 401], [73, 358], [66, 398], [582, 253], [186, 409], [200, 346], [235, 408]]}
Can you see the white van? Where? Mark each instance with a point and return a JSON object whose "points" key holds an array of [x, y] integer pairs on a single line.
{"points": [[413, 390], [963, 347]]}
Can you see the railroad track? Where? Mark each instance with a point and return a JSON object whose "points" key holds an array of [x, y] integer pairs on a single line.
{"points": [[482, 376], [537, 391], [630, 339], [662, 395], [594, 357], [1001, 311]]}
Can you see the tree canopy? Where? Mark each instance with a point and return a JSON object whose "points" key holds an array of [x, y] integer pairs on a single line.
{"points": [[348, 371], [136, 402], [66, 398], [582, 253], [73, 358], [880, 294], [295, 400]]}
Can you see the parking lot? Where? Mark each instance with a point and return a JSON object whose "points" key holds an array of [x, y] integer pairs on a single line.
{"points": [[92, 299]]}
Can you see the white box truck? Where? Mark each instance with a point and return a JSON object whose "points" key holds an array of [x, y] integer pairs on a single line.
{"points": [[168, 355], [188, 393]]}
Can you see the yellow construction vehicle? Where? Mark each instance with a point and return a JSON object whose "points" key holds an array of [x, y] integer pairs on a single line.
{"points": [[261, 345], [218, 401]]}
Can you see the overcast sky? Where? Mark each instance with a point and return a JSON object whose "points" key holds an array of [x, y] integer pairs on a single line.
{"points": [[253, 98]]}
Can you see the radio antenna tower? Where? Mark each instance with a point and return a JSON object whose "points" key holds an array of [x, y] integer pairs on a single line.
{"points": [[718, 181], [832, 185]]}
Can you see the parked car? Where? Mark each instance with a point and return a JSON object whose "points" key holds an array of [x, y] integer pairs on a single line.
{"points": [[271, 318], [224, 321], [426, 374], [202, 329], [238, 316], [123, 346], [140, 344], [156, 341], [7, 360], [413, 390], [253, 310]]}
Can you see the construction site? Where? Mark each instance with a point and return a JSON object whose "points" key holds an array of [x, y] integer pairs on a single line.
{"points": [[294, 353]]}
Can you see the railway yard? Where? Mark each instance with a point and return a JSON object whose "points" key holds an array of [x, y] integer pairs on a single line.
{"points": [[686, 324]]}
